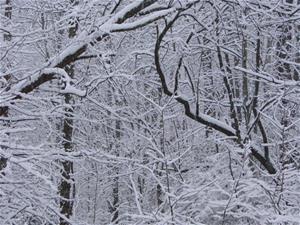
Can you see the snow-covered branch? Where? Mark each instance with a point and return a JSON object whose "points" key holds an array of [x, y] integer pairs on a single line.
{"points": [[269, 78], [80, 44]]}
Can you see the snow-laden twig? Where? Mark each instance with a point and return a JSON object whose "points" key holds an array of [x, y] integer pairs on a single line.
{"points": [[269, 78]]}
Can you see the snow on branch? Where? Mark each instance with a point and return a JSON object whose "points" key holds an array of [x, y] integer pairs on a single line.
{"points": [[269, 78], [141, 22], [79, 46], [47, 74], [130, 10], [66, 79], [200, 117]]}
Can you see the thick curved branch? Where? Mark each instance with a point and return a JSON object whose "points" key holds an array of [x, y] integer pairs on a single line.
{"points": [[265, 162], [201, 118]]}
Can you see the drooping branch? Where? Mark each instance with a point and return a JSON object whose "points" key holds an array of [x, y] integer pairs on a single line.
{"points": [[201, 118]]}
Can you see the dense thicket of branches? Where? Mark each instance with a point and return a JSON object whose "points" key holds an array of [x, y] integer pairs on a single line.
{"points": [[149, 112]]}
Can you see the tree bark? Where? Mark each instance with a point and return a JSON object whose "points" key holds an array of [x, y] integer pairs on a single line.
{"points": [[67, 185]]}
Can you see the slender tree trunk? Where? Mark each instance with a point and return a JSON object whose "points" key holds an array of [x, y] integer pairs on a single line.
{"points": [[159, 166], [67, 185], [115, 190], [113, 206], [245, 88]]}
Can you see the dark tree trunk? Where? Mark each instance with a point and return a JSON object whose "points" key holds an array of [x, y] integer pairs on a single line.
{"points": [[67, 185], [115, 191]]}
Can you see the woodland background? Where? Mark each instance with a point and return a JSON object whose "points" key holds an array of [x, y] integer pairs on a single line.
{"points": [[149, 112]]}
